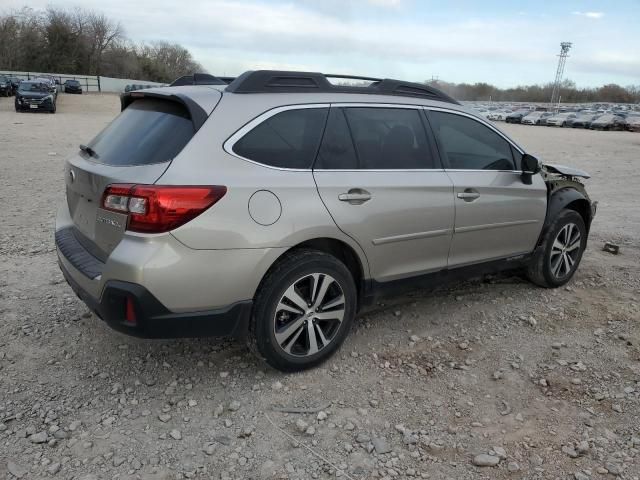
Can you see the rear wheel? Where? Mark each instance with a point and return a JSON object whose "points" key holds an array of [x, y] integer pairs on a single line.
{"points": [[561, 250], [303, 310]]}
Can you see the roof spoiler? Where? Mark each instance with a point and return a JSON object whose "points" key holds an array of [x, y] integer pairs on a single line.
{"points": [[196, 112]]}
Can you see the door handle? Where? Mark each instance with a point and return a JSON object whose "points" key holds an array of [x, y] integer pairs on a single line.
{"points": [[469, 195], [355, 196]]}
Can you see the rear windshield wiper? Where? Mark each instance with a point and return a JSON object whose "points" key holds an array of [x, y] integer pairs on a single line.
{"points": [[88, 150]]}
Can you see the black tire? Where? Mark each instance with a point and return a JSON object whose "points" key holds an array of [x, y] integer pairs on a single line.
{"points": [[541, 268], [293, 269]]}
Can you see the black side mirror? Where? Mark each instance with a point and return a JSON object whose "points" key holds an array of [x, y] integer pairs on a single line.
{"points": [[530, 167]]}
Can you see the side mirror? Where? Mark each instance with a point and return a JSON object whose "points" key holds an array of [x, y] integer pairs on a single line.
{"points": [[530, 167]]}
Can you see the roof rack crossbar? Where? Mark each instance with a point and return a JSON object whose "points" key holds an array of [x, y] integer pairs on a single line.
{"points": [[274, 81]]}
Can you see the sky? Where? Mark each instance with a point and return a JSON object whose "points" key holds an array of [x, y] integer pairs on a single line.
{"points": [[503, 42]]}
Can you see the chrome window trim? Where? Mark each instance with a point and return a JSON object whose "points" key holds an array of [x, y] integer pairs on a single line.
{"points": [[486, 124], [247, 127], [405, 106]]}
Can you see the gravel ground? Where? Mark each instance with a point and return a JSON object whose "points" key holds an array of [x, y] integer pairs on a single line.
{"points": [[532, 383]]}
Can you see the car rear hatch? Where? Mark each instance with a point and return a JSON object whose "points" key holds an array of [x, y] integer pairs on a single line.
{"points": [[134, 149]]}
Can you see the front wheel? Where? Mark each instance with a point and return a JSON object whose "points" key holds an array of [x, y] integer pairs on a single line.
{"points": [[303, 310], [559, 255]]}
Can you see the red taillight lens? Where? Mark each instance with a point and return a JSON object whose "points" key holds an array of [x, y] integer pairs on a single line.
{"points": [[130, 312], [160, 208]]}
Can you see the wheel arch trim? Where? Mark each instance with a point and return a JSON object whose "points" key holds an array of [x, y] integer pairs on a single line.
{"points": [[566, 198], [353, 257]]}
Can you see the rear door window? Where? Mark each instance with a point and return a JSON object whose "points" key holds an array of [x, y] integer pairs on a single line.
{"points": [[389, 138], [148, 131], [288, 139], [375, 138]]}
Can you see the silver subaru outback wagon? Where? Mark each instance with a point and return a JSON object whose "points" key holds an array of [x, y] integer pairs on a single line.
{"points": [[275, 205]]}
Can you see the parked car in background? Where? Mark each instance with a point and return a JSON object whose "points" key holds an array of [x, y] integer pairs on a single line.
{"points": [[50, 83], [497, 115], [536, 118], [15, 81], [544, 117], [72, 86], [6, 87], [608, 122], [136, 86], [482, 111], [630, 118], [582, 120], [516, 117], [633, 123], [531, 118], [560, 120], [36, 96]]}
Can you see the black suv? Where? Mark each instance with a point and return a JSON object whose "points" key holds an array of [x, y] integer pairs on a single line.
{"points": [[72, 86], [36, 96], [6, 86]]}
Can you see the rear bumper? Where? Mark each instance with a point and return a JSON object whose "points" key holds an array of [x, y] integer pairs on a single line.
{"points": [[152, 318]]}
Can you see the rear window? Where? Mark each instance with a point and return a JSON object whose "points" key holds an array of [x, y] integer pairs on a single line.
{"points": [[147, 131]]}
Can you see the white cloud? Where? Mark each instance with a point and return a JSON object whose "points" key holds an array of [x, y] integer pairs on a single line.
{"points": [[386, 3], [594, 15]]}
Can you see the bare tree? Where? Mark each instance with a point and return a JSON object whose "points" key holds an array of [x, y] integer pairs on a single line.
{"points": [[102, 32]]}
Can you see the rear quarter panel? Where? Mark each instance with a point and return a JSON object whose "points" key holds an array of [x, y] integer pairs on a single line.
{"points": [[229, 224]]}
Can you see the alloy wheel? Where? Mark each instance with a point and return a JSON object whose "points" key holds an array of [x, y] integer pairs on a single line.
{"points": [[309, 314], [565, 250]]}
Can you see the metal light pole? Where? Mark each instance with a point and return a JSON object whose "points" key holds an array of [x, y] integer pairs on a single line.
{"points": [[564, 53]]}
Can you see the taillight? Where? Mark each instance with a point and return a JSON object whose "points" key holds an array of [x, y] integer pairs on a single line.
{"points": [[160, 208]]}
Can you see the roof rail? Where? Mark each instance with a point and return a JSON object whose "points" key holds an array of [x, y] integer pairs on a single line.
{"points": [[198, 79], [274, 81]]}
